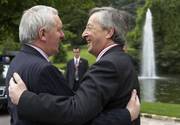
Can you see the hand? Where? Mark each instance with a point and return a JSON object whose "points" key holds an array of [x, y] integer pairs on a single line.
{"points": [[16, 88], [134, 105]]}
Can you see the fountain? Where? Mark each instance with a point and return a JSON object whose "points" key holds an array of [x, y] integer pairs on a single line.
{"points": [[148, 70], [155, 88]]}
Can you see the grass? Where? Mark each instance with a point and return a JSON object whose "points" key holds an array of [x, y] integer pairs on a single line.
{"points": [[165, 109]]}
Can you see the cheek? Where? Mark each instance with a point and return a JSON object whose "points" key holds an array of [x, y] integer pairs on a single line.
{"points": [[53, 42], [55, 37]]}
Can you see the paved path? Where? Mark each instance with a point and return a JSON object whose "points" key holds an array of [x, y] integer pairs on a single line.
{"points": [[4, 120], [150, 121]]}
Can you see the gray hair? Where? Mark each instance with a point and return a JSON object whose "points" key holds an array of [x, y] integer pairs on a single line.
{"points": [[109, 17], [33, 19]]}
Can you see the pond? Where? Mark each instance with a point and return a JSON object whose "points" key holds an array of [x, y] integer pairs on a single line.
{"points": [[163, 89]]}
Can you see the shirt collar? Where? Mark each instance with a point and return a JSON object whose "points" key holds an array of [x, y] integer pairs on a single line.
{"points": [[76, 59], [104, 51], [40, 51]]}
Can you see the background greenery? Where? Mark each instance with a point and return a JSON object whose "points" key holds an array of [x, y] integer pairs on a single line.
{"points": [[74, 14]]}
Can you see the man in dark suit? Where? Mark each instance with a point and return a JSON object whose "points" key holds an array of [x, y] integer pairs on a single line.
{"points": [[106, 87], [40, 39], [75, 69]]}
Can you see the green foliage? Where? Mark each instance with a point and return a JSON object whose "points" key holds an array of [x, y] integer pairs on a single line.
{"points": [[167, 37], [61, 56], [69, 36], [8, 44], [134, 37]]}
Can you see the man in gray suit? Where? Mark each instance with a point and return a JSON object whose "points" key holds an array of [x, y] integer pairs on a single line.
{"points": [[106, 87]]}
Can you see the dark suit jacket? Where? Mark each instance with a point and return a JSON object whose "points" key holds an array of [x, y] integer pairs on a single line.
{"points": [[40, 77], [70, 71], [107, 84]]}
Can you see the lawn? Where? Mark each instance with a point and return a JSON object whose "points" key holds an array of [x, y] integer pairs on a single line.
{"points": [[165, 109]]}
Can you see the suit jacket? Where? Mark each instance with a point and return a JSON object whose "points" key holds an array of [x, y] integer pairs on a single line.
{"points": [[106, 87], [70, 71], [40, 77]]}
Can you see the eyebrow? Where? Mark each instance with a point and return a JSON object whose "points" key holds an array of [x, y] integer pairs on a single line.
{"points": [[89, 25]]}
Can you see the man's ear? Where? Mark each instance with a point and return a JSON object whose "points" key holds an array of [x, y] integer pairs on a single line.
{"points": [[42, 34], [110, 33]]}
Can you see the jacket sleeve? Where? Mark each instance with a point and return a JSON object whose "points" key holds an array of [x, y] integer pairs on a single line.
{"points": [[99, 85]]}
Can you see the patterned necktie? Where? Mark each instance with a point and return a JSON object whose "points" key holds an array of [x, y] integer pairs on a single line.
{"points": [[76, 70]]}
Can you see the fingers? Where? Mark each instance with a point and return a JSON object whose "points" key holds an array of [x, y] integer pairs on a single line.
{"points": [[12, 84], [16, 88], [135, 97], [17, 78]]}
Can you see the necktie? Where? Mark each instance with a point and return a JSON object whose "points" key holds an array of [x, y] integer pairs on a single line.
{"points": [[76, 62], [76, 70]]}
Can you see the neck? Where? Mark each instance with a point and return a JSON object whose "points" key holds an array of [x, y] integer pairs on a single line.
{"points": [[109, 43], [36, 44]]}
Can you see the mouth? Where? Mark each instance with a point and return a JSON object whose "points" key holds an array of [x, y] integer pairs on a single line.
{"points": [[88, 41]]}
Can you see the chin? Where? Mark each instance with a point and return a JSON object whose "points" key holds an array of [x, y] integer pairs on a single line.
{"points": [[55, 52], [90, 51]]}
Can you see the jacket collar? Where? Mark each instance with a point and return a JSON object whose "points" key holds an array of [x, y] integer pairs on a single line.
{"points": [[108, 50], [31, 50]]}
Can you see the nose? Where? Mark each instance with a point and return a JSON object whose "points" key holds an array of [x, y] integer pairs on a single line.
{"points": [[62, 35]]}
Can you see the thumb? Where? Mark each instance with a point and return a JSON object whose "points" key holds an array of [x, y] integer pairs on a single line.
{"points": [[133, 94]]}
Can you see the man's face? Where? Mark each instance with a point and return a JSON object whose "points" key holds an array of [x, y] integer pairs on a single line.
{"points": [[53, 37], [76, 52], [95, 36]]}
